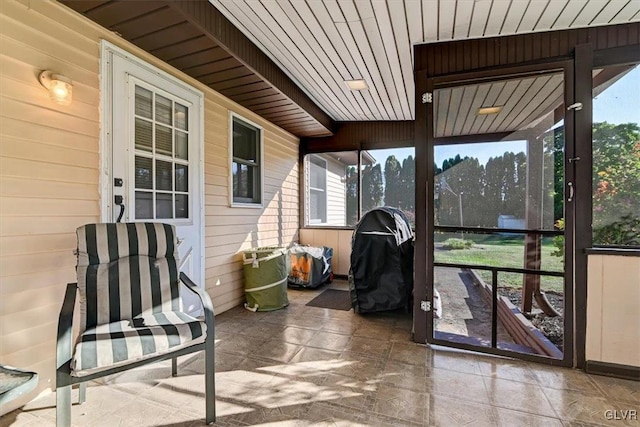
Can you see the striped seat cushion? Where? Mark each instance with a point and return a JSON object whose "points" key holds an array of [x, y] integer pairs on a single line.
{"points": [[126, 341], [126, 270]]}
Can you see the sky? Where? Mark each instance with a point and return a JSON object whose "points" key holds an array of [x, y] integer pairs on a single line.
{"points": [[613, 105]]}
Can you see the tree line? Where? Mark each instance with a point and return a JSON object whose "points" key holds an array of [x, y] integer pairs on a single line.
{"points": [[499, 187], [475, 195], [487, 191], [395, 187]]}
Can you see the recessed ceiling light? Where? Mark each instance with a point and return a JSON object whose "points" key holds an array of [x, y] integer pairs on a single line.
{"points": [[489, 110], [357, 84]]}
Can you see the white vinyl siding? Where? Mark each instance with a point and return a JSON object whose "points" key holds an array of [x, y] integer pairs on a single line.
{"points": [[317, 190], [336, 194], [325, 183], [50, 178]]}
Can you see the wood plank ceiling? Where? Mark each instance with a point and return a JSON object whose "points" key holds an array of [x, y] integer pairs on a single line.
{"points": [[180, 34], [316, 45], [523, 102], [320, 44]]}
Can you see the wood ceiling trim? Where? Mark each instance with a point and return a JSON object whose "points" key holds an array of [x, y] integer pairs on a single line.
{"points": [[147, 22], [251, 101], [364, 135], [291, 120], [246, 88], [460, 56], [280, 103], [222, 76], [296, 121], [286, 113], [237, 82], [305, 130], [83, 6], [205, 56], [183, 48], [213, 23], [110, 13], [175, 33], [317, 131], [303, 126], [201, 70], [281, 111], [257, 95]]}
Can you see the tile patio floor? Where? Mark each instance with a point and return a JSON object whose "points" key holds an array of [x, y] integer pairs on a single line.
{"points": [[305, 366]]}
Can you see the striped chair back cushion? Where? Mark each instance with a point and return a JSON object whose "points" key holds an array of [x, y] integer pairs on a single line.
{"points": [[126, 270]]}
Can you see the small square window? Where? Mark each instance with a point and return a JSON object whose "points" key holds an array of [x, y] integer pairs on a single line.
{"points": [[246, 162]]}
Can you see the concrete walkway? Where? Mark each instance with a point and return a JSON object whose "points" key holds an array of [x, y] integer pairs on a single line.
{"points": [[464, 311]]}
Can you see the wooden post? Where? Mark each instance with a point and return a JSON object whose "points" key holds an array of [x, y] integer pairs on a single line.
{"points": [[533, 220]]}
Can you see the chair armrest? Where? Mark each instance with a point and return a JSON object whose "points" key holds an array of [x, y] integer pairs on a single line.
{"points": [[64, 340], [207, 305]]}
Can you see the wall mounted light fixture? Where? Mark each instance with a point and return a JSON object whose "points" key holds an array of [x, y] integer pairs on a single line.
{"points": [[60, 87]]}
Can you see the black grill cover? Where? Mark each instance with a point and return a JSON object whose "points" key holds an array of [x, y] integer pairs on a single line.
{"points": [[381, 274]]}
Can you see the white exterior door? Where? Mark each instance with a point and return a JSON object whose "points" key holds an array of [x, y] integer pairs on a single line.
{"points": [[154, 136]]}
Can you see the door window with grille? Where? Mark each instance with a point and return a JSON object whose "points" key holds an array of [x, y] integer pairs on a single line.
{"points": [[161, 151]]}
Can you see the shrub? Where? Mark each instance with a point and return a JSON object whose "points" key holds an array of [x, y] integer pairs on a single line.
{"points": [[625, 232], [558, 241], [457, 244]]}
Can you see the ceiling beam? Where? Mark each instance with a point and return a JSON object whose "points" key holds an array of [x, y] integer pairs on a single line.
{"points": [[215, 25], [363, 136]]}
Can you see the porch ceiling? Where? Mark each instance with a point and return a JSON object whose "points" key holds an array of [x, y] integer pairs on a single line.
{"points": [[287, 60], [523, 102], [194, 37], [320, 44], [535, 102]]}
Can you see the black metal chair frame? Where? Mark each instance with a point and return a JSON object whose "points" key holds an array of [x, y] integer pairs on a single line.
{"points": [[64, 352]]}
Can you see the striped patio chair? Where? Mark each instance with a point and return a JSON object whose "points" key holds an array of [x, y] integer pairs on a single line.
{"points": [[130, 310]]}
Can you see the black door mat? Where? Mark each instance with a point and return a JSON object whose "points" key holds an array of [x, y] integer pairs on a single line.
{"points": [[334, 299]]}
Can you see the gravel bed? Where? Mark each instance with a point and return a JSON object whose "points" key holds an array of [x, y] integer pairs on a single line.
{"points": [[551, 327]]}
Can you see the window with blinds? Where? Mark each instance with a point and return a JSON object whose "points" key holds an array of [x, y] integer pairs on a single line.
{"points": [[161, 143], [246, 165]]}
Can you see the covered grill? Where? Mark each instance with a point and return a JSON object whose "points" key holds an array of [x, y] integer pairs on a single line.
{"points": [[381, 274]]}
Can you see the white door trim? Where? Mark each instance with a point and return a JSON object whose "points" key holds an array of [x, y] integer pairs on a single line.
{"points": [[108, 50]]}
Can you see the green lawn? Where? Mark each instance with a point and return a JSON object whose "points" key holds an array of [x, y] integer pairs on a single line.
{"points": [[502, 252]]}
